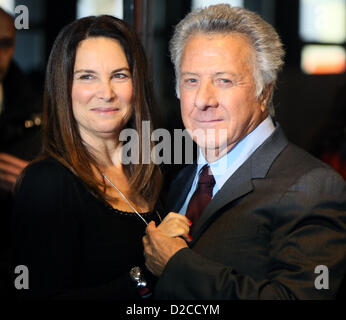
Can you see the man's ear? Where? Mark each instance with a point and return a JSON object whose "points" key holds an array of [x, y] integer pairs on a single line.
{"points": [[264, 96]]}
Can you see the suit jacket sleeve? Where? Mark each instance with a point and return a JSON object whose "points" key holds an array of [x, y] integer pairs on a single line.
{"points": [[309, 230]]}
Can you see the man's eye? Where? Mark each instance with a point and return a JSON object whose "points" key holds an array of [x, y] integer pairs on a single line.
{"points": [[224, 82], [190, 81]]}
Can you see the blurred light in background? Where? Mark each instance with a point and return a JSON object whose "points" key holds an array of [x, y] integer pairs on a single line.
{"points": [[206, 3], [96, 7], [322, 21], [7, 5], [322, 26], [323, 59]]}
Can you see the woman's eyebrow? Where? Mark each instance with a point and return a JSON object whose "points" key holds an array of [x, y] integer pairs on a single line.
{"points": [[93, 71], [84, 71], [121, 69]]}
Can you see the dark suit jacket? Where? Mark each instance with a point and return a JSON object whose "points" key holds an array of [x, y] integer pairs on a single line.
{"points": [[277, 218]]}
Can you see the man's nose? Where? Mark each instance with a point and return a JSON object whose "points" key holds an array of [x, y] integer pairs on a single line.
{"points": [[205, 96]]}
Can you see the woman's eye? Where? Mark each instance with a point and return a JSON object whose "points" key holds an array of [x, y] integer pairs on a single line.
{"points": [[86, 77], [120, 76]]}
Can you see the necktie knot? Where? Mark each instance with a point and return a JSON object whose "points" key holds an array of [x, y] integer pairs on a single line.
{"points": [[206, 178]]}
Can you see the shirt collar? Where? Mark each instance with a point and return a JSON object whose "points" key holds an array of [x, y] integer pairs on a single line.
{"points": [[224, 167]]}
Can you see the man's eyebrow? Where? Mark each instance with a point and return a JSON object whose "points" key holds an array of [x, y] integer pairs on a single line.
{"points": [[189, 74], [227, 73], [216, 74]]}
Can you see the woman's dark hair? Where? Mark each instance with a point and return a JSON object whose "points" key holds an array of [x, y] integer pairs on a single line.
{"points": [[61, 137]]}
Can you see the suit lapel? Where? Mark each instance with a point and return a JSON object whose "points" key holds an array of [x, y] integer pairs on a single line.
{"points": [[237, 185], [240, 183]]}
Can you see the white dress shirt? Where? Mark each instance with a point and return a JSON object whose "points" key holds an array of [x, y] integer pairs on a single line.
{"points": [[224, 167]]}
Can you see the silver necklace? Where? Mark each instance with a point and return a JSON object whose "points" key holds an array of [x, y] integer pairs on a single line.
{"points": [[129, 203]]}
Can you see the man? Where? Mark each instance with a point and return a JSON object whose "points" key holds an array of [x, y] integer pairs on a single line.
{"points": [[269, 220], [20, 108]]}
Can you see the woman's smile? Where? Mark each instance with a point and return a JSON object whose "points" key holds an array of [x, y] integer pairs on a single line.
{"points": [[105, 110]]}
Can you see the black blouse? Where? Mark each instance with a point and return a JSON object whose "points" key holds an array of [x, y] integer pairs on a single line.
{"points": [[74, 245]]}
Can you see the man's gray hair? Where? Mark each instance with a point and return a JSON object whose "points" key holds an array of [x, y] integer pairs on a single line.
{"points": [[224, 19]]}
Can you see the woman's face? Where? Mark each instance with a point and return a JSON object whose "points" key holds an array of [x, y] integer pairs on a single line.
{"points": [[101, 89]]}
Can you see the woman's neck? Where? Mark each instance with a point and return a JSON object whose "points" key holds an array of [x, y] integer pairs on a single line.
{"points": [[106, 150]]}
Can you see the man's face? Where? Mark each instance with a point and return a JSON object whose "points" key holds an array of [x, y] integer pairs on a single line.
{"points": [[217, 91], [7, 36]]}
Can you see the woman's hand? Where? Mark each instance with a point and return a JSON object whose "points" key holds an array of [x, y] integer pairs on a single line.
{"points": [[176, 225]]}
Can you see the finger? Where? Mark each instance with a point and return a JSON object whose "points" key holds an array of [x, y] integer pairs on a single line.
{"points": [[145, 241], [152, 233], [20, 163], [175, 229], [8, 178], [150, 227], [187, 237], [172, 225], [146, 247], [173, 215], [9, 168]]}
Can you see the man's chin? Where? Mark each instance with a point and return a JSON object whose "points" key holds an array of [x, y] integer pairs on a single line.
{"points": [[210, 139], [212, 147]]}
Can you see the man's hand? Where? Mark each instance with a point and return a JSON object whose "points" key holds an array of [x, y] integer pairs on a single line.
{"points": [[10, 169], [176, 225], [159, 248]]}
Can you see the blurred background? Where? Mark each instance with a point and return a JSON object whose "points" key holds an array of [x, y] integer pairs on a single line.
{"points": [[309, 89]]}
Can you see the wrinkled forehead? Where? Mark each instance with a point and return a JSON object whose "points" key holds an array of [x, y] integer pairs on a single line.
{"points": [[231, 47]]}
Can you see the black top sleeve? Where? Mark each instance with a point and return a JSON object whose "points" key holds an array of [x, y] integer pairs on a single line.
{"points": [[47, 238]]}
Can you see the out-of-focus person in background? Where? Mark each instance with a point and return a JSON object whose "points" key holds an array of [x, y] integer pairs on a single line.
{"points": [[20, 119]]}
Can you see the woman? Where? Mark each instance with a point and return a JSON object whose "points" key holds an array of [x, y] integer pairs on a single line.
{"points": [[80, 213]]}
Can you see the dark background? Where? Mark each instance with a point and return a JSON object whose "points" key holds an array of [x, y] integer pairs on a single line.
{"points": [[303, 102]]}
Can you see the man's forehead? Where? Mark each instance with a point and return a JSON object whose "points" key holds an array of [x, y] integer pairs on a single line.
{"points": [[218, 44], [217, 54], [228, 73]]}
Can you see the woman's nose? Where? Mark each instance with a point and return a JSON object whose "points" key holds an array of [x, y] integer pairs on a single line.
{"points": [[107, 91]]}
